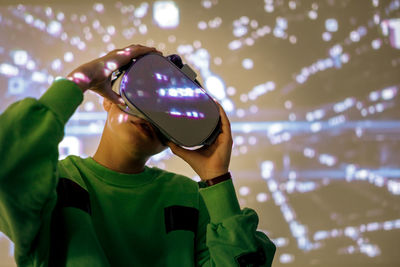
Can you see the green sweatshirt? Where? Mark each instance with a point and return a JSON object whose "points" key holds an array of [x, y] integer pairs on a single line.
{"points": [[76, 212]]}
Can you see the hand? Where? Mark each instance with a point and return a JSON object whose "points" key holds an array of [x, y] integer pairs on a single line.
{"points": [[211, 161], [96, 74]]}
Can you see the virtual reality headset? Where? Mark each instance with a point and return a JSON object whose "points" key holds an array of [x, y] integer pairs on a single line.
{"points": [[165, 92]]}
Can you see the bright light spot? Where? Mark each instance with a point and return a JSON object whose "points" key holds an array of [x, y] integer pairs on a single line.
{"points": [[286, 258], [355, 36], [111, 29], [313, 14], [89, 106], [98, 7], [54, 27], [68, 57], [215, 87], [20, 57], [8, 69], [262, 197], [235, 44], [166, 14], [39, 77], [141, 11], [247, 63], [326, 36], [227, 105], [244, 190], [143, 29], [331, 25]]}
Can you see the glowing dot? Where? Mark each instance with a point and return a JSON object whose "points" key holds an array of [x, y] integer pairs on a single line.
{"points": [[355, 36], [56, 64], [247, 63], [312, 14], [31, 65], [68, 57], [20, 57], [331, 25], [166, 14], [326, 36], [111, 29], [262, 197], [197, 44], [89, 106], [269, 8], [98, 7], [240, 113], [292, 39], [143, 29], [54, 27], [243, 149], [60, 16], [206, 3], [244, 190], [252, 140], [231, 91], [202, 25], [217, 61]]}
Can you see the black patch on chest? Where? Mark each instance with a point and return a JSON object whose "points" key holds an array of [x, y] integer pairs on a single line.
{"points": [[70, 194], [181, 218], [252, 259]]}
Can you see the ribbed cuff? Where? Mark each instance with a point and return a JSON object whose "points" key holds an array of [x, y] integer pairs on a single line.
{"points": [[63, 97], [221, 201]]}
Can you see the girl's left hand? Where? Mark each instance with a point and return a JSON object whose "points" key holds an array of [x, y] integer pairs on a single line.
{"points": [[210, 161]]}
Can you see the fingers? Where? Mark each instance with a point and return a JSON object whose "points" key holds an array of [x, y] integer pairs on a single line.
{"points": [[226, 125], [120, 57], [177, 150], [111, 95]]}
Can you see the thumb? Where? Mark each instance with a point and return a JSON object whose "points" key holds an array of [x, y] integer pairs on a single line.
{"points": [[111, 95]]}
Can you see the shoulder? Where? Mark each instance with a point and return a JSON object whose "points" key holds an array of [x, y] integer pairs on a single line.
{"points": [[69, 168], [175, 179]]}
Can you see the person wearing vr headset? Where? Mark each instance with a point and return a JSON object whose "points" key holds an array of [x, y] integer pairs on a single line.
{"points": [[111, 209]]}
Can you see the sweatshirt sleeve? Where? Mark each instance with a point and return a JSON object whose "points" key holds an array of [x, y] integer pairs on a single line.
{"points": [[227, 235], [30, 131]]}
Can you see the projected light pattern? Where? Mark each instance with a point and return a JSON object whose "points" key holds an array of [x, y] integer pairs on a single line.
{"points": [[311, 89]]}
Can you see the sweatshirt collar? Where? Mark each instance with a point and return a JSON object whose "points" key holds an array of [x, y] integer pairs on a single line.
{"points": [[121, 179]]}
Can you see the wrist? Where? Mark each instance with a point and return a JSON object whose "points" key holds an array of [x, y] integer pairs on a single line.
{"points": [[218, 179]]}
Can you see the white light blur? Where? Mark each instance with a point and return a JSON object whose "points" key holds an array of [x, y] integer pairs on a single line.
{"points": [[166, 14], [244, 190], [247, 63], [8, 70], [215, 87], [54, 27], [141, 11], [262, 197], [227, 105], [39, 77], [286, 258], [68, 57], [331, 25], [20, 57]]}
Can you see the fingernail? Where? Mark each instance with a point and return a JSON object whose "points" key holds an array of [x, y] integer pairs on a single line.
{"points": [[121, 101]]}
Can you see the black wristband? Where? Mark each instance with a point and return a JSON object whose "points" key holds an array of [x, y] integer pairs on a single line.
{"points": [[219, 179]]}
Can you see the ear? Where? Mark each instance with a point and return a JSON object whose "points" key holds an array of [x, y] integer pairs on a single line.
{"points": [[107, 104]]}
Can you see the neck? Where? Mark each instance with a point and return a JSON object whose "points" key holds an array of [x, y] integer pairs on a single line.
{"points": [[118, 158]]}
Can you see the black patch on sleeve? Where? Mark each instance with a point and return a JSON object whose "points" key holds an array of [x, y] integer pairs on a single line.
{"points": [[181, 218], [252, 259], [71, 194]]}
